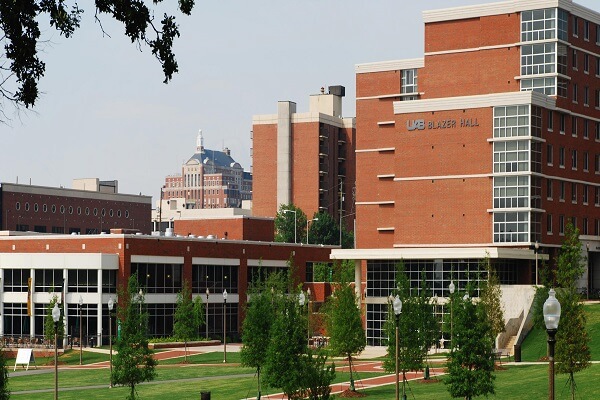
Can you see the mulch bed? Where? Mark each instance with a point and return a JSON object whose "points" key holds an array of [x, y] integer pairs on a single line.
{"points": [[351, 394], [432, 380]]}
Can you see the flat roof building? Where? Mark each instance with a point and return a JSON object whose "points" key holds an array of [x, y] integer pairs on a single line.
{"points": [[487, 145]]}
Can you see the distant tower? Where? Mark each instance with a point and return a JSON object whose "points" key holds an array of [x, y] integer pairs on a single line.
{"points": [[199, 143]]}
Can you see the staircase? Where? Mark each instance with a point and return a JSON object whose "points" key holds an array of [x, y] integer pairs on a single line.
{"points": [[510, 346]]}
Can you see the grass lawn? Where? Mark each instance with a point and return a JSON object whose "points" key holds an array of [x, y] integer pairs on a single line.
{"points": [[534, 346]]}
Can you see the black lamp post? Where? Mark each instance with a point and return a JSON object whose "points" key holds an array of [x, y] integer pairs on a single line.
{"points": [[536, 249], [551, 319], [451, 288], [56, 318], [225, 325], [110, 308], [80, 332], [397, 304], [207, 293]]}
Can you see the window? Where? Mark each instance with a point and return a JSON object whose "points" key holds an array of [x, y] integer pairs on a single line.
{"points": [[586, 129], [575, 25], [538, 59], [16, 320], [511, 156], [48, 280], [586, 161], [574, 126], [511, 227], [561, 224], [549, 224], [574, 222], [586, 30], [549, 154], [561, 195], [563, 18], [597, 98], [597, 163], [584, 226], [549, 189], [409, 81], [597, 227], [109, 281], [511, 121], [547, 86], [563, 123], [597, 195], [597, 34], [573, 192], [550, 120], [15, 280], [538, 24], [585, 194], [586, 96], [215, 277], [574, 159], [83, 280], [511, 191], [597, 135], [158, 278], [575, 93], [561, 157], [574, 58], [598, 64], [561, 87], [586, 63]]}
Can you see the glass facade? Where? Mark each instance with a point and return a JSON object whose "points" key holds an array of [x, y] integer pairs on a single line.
{"points": [[216, 278], [158, 278]]}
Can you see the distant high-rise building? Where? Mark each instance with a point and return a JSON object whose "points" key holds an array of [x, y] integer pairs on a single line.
{"points": [[305, 159], [210, 179]]}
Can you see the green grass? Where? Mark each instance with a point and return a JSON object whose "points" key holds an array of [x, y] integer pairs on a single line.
{"points": [[215, 357], [534, 346]]}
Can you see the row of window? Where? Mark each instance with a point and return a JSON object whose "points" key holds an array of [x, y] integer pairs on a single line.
{"points": [[578, 125], [576, 160], [551, 23], [70, 209], [577, 191], [51, 280], [584, 227]]}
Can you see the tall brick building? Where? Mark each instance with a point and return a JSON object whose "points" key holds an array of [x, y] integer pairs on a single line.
{"points": [[487, 145], [305, 159]]}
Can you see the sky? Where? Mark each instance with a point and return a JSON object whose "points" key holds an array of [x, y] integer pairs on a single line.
{"points": [[105, 113]]}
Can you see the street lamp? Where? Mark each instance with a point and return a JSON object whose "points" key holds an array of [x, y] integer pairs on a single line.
{"points": [[301, 301], [207, 293], [80, 331], [451, 288], [56, 318], [111, 304], [225, 325], [536, 250], [308, 312], [295, 222], [551, 319], [397, 305], [307, 221]]}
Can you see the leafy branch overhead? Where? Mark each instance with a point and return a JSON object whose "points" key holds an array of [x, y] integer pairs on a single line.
{"points": [[21, 67]]}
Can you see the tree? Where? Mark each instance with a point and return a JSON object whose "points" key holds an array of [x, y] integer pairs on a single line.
{"points": [[572, 339], [133, 362], [188, 316], [4, 391], [21, 67], [256, 328], [288, 218], [471, 361], [49, 322], [416, 326], [317, 376], [344, 325], [325, 230], [285, 365], [491, 299]]}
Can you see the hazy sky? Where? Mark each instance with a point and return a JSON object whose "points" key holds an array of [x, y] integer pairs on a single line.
{"points": [[105, 112]]}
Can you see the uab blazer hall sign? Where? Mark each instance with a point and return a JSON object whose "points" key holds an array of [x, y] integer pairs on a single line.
{"points": [[421, 124]]}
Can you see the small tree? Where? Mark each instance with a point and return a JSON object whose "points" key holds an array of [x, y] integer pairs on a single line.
{"points": [[324, 229], [285, 225], [256, 328], [133, 362], [188, 316], [4, 391], [344, 325], [317, 375], [471, 362], [491, 299], [572, 339]]}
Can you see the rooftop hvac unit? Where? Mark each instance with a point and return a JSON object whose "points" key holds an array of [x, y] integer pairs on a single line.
{"points": [[337, 90]]}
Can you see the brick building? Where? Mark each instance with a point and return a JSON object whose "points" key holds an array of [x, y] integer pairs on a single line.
{"points": [[305, 159], [209, 179], [33, 268], [91, 206], [487, 145]]}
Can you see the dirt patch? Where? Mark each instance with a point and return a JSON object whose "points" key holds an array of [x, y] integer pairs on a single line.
{"points": [[351, 394], [432, 380]]}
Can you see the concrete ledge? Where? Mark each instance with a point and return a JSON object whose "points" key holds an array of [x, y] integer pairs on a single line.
{"points": [[171, 345]]}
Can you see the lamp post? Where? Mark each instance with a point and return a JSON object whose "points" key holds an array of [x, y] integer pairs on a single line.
{"points": [[225, 325], [295, 222], [110, 308], [207, 293], [551, 319], [56, 318], [536, 250], [301, 301], [451, 288], [307, 221], [308, 312], [80, 331], [397, 305]]}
